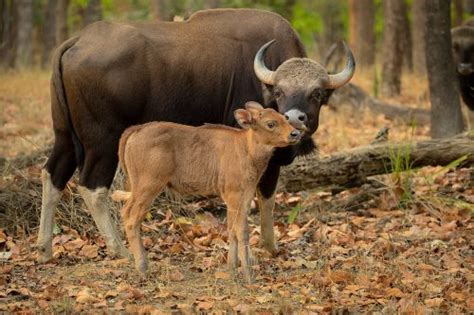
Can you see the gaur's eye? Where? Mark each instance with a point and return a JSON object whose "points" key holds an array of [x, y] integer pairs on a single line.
{"points": [[317, 95], [271, 124], [277, 93]]}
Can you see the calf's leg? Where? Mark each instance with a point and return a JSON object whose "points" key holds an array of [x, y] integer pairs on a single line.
{"points": [[237, 212], [133, 213]]}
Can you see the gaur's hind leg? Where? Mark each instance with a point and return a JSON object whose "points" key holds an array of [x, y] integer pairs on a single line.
{"points": [[58, 170], [266, 202], [95, 180]]}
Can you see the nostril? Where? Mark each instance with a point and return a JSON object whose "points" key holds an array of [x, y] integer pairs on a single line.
{"points": [[287, 117], [294, 133], [302, 117]]}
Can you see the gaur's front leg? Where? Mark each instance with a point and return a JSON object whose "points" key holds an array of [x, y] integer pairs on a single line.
{"points": [[266, 202]]}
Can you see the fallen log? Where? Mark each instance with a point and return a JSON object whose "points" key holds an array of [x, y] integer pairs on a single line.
{"points": [[354, 96], [352, 168]]}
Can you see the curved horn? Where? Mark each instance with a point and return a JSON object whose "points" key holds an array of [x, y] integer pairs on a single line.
{"points": [[341, 78], [261, 71]]}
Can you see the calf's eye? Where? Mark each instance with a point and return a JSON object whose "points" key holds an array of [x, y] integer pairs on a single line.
{"points": [[271, 124]]}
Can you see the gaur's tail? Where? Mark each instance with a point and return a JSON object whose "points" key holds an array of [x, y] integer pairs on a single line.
{"points": [[57, 80], [120, 195]]}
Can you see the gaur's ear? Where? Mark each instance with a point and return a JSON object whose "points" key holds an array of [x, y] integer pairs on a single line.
{"points": [[243, 117]]}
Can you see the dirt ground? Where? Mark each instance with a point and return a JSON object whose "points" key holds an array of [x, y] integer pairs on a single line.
{"points": [[367, 249]]}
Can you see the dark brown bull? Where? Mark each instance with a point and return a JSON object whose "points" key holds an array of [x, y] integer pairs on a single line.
{"points": [[114, 75], [463, 53]]}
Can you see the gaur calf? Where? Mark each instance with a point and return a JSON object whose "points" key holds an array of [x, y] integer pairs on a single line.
{"points": [[207, 160]]}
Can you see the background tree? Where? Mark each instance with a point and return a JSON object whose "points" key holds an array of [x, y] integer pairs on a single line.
{"points": [[332, 25], [61, 21], [361, 31], [468, 6], [392, 47], [49, 32], [446, 116], [458, 12], [418, 34], [8, 22], [92, 12], [24, 51], [406, 38]]}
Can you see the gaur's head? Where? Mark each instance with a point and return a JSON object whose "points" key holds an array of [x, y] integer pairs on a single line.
{"points": [[270, 127], [300, 86], [463, 49]]}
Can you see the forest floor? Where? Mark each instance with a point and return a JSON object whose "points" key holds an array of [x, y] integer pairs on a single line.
{"points": [[367, 249]]}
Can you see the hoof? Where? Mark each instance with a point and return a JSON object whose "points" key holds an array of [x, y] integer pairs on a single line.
{"points": [[119, 252], [142, 267], [45, 254], [272, 248]]}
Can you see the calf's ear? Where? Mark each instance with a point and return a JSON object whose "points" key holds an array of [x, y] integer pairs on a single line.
{"points": [[243, 117], [253, 105]]}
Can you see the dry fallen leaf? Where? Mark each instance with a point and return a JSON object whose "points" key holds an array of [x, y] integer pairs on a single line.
{"points": [[435, 302], [85, 296], [205, 305], [176, 275], [222, 275], [395, 292], [89, 251]]}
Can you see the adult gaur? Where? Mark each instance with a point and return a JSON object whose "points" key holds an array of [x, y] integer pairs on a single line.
{"points": [[114, 75], [463, 53]]}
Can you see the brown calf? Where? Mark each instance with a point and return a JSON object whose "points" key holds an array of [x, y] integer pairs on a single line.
{"points": [[206, 160]]}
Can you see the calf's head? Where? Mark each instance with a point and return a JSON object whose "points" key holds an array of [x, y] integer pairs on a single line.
{"points": [[300, 86], [269, 126], [463, 49]]}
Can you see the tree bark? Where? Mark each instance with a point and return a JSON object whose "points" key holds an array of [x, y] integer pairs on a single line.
{"points": [[458, 12], [49, 32], [418, 35], [8, 33], [361, 31], [333, 28], [353, 167], [406, 38], [24, 49], [469, 6], [392, 47], [446, 115], [61, 21], [93, 12]]}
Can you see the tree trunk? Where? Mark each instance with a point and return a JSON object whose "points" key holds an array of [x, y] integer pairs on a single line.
{"points": [[93, 12], [8, 33], [351, 168], [361, 31], [446, 116], [392, 47], [469, 6], [49, 32], [406, 38], [458, 12], [418, 34], [61, 21], [333, 28], [24, 49]]}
